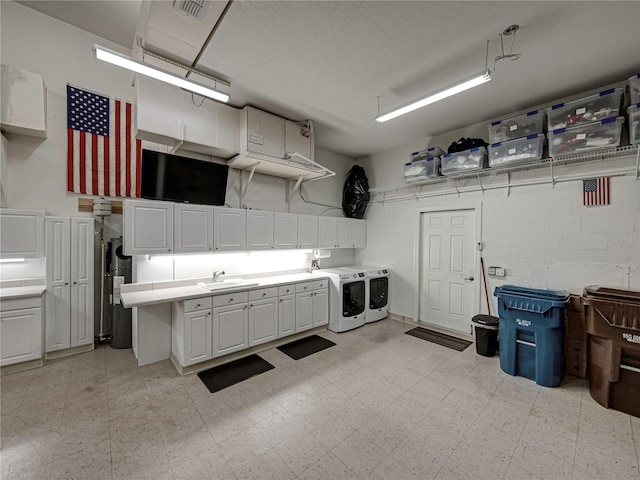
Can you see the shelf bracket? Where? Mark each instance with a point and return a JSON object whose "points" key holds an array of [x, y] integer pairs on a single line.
{"points": [[553, 180], [480, 182], [637, 163], [244, 189], [508, 184], [455, 185], [294, 189]]}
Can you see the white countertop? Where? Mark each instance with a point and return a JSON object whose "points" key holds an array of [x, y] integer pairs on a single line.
{"points": [[154, 294], [7, 293]]}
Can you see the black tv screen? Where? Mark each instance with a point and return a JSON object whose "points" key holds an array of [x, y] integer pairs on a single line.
{"points": [[182, 179]]}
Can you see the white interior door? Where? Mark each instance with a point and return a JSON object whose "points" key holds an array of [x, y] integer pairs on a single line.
{"points": [[447, 269]]}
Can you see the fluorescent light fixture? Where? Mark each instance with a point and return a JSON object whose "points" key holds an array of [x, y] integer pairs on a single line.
{"points": [[461, 86], [123, 61], [13, 260]]}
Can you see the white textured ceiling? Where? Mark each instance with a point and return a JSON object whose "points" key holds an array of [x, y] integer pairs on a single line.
{"points": [[329, 61]]}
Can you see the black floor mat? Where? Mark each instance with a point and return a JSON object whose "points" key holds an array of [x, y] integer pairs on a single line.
{"points": [[439, 338], [223, 376], [305, 346]]}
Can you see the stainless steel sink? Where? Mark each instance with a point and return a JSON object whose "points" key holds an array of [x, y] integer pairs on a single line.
{"points": [[224, 284]]}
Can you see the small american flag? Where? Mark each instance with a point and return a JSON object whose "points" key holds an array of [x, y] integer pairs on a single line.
{"points": [[595, 191], [103, 155]]}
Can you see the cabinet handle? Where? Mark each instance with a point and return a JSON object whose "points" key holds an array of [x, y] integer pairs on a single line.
{"points": [[280, 300], [230, 300], [75, 283], [197, 305], [251, 306], [168, 249], [264, 294], [66, 283], [208, 313]]}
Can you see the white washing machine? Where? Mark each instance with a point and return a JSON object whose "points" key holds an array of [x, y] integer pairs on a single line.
{"points": [[376, 292], [347, 298]]}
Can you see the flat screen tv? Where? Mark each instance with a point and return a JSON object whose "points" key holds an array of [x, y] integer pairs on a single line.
{"points": [[182, 179]]}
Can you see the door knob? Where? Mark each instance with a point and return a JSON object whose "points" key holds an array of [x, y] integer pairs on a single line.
{"points": [[470, 279]]}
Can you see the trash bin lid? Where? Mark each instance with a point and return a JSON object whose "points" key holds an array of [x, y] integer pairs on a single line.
{"points": [[488, 320], [598, 292], [531, 299]]}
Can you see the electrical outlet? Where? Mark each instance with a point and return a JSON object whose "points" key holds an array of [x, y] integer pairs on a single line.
{"points": [[491, 270], [500, 272]]}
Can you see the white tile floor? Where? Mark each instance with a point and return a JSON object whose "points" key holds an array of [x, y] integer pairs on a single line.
{"points": [[378, 405]]}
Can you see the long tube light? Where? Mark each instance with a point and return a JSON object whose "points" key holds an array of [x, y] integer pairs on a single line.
{"points": [[466, 84], [123, 61]]}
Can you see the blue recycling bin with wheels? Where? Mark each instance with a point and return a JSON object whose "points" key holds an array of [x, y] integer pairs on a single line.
{"points": [[531, 332]]}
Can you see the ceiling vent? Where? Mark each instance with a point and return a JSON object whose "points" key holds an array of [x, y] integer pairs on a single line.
{"points": [[193, 9]]}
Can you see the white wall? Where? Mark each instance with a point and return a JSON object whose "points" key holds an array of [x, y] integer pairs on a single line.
{"points": [[541, 234]]}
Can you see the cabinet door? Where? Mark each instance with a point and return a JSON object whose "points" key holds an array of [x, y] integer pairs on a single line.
{"points": [[230, 329], [307, 231], [259, 230], [58, 278], [263, 321], [297, 139], [320, 307], [20, 335], [286, 230], [304, 311], [193, 228], [197, 336], [286, 315], [265, 133], [147, 227], [21, 234], [358, 233], [229, 229], [343, 233], [82, 323], [327, 232]]}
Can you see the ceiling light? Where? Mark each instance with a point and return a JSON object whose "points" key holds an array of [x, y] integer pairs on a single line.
{"points": [[453, 89], [123, 61]]}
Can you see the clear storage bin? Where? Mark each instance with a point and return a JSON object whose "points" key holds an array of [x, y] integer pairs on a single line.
{"points": [[634, 123], [427, 153], [518, 150], [463, 162], [633, 89], [422, 169], [585, 110], [516, 127], [592, 136]]}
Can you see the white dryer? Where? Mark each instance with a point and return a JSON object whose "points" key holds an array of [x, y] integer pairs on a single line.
{"points": [[347, 298], [377, 291]]}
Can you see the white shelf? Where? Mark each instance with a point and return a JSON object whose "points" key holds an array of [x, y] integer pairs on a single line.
{"points": [[592, 156], [286, 168]]}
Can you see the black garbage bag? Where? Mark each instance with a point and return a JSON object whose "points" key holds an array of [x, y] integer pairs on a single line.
{"points": [[355, 195], [466, 144]]}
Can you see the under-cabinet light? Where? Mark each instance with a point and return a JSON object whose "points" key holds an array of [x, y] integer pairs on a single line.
{"points": [[13, 260], [454, 89], [123, 61]]}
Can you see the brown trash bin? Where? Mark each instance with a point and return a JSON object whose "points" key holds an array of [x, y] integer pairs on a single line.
{"points": [[613, 327]]}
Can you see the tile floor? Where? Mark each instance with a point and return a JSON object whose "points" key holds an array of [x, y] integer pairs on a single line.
{"points": [[378, 405]]}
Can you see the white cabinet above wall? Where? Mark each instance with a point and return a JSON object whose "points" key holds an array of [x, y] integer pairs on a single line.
{"points": [[147, 227], [21, 233], [170, 116], [24, 102]]}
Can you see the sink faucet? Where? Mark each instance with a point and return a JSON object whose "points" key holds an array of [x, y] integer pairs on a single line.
{"points": [[216, 274]]}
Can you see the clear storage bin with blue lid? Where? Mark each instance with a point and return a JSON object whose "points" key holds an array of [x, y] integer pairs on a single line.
{"points": [[585, 110], [516, 127]]}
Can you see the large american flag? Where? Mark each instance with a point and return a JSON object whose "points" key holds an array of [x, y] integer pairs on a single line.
{"points": [[595, 191], [103, 156]]}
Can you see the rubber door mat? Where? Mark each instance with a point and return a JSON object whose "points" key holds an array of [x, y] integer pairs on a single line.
{"points": [[439, 338], [305, 346], [223, 376]]}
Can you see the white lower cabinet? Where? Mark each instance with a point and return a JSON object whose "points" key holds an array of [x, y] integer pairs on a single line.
{"points": [[312, 305], [191, 331], [21, 330], [230, 323], [320, 305], [263, 315], [304, 309]]}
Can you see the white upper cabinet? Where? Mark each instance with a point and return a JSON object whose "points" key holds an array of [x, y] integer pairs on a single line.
{"points": [[286, 230], [259, 230], [229, 229], [147, 227], [264, 133], [327, 232], [193, 228], [297, 139], [343, 232], [358, 233], [307, 231], [24, 102], [21, 233]]}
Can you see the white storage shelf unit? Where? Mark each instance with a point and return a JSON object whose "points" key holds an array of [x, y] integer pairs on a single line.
{"points": [[154, 227]]}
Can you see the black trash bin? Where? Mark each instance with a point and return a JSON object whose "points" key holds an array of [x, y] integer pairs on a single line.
{"points": [[486, 334]]}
